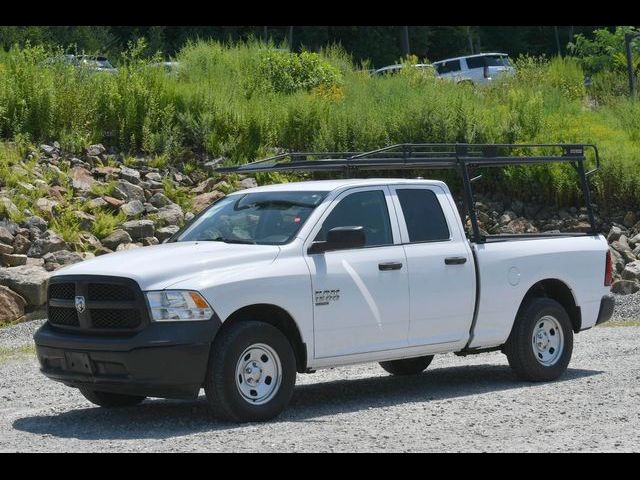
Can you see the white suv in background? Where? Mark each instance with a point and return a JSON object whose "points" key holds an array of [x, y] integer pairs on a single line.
{"points": [[477, 69]]}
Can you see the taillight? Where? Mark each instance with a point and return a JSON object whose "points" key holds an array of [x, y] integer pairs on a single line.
{"points": [[608, 271]]}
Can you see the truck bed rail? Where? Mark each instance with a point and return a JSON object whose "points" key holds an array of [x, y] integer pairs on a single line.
{"points": [[415, 156]]}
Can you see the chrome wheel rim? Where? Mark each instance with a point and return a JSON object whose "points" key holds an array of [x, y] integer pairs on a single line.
{"points": [[547, 341], [258, 374]]}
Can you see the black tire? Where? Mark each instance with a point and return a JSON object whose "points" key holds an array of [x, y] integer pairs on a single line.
{"points": [[223, 394], [110, 400], [407, 366], [519, 350]]}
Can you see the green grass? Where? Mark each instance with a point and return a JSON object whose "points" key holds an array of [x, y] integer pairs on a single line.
{"points": [[621, 323], [106, 222], [246, 101], [12, 353]]}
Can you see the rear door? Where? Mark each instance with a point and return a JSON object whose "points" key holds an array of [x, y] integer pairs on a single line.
{"points": [[441, 267]]}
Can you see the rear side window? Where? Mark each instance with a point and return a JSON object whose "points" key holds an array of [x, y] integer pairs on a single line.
{"points": [[475, 62], [449, 66], [423, 215], [366, 209]]}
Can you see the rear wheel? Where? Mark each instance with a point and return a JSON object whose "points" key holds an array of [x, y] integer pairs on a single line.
{"points": [[252, 372], [541, 342], [407, 366], [110, 400]]}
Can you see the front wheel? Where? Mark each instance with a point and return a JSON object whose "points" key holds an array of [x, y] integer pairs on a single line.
{"points": [[252, 372], [541, 342], [110, 400]]}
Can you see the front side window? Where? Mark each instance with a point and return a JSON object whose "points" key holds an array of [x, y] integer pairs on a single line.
{"points": [[365, 209], [423, 215], [265, 218], [449, 66]]}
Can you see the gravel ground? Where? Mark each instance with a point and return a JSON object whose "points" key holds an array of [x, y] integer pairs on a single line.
{"points": [[459, 404], [627, 307]]}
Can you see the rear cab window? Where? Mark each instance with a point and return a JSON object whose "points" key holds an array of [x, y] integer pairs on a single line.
{"points": [[423, 215]]}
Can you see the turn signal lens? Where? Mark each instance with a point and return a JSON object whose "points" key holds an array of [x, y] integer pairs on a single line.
{"points": [[198, 300]]}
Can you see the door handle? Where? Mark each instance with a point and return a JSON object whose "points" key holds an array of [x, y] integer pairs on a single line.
{"points": [[390, 266], [455, 260]]}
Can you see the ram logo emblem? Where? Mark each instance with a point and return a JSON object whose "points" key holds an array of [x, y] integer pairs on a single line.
{"points": [[81, 305]]}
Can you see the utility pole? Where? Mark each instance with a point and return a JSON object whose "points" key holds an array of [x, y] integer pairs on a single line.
{"points": [[470, 38], [265, 32], [628, 37], [405, 41], [291, 38], [555, 29]]}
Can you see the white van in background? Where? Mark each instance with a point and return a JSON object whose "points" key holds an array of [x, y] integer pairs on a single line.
{"points": [[477, 69]]}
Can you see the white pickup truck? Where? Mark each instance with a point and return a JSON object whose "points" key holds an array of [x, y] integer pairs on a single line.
{"points": [[284, 279]]}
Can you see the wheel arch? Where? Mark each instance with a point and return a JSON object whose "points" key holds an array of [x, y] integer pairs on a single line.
{"points": [[561, 293], [279, 318]]}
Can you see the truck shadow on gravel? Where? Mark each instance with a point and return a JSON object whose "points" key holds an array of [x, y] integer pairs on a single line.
{"points": [[161, 419]]}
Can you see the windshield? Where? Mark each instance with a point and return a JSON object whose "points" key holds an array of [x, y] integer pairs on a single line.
{"points": [[265, 218]]}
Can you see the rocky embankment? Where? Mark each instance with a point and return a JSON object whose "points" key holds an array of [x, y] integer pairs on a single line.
{"points": [[149, 206], [136, 194]]}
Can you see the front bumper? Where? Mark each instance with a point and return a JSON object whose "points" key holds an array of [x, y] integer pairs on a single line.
{"points": [[606, 309], [167, 360]]}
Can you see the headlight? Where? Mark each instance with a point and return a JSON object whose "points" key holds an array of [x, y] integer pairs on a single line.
{"points": [[174, 305]]}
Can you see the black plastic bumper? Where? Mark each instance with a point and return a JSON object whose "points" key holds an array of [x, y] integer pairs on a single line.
{"points": [[167, 360], [606, 309]]}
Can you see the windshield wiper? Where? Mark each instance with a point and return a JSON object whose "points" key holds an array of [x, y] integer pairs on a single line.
{"points": [[229, 240]]}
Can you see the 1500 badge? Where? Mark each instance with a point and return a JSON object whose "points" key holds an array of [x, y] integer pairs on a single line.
{"points": [[323, 297]]}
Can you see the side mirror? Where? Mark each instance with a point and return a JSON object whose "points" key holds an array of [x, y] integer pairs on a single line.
{"points": [[340, 238]]}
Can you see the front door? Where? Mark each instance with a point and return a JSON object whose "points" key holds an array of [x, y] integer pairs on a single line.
{"points": [[361, 296]]}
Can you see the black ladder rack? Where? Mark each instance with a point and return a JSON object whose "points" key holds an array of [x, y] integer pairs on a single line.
{"points": [[415, 156]]}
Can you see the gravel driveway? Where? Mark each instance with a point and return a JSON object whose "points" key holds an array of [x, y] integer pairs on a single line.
{"points": [[470, 404]]}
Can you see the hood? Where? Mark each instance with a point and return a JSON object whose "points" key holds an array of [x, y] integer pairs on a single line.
{"points": [[160, 266]]}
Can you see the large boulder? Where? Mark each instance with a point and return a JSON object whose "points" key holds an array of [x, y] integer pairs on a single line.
{"points": [[160, 200], [36, 222], [127, 191], [6, 236], [49, 242], [11, 305], [247, 183], [130, 175], [139, 229], [4, 248], [166, 232], [12, 259], [133, 208], [200, 202], [614, 234], [56, 260], [81, 179], [632, 271], [8, 207], [21, 244], [95, 150], [625, 287], [29, 281], [116, 238], [170, 215]]}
